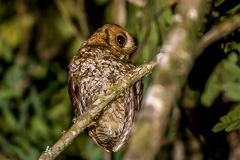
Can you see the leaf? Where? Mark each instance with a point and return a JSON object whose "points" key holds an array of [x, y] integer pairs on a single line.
{"points": [[219, 126], [211, 92], [230, 70], [6, 51], [12, 148], [225, 78], [225, 119], [229, 122], [36, 101], [100, 2], [39, 127], [6, 93], [233, 126], [232, 91], [8, 115]]}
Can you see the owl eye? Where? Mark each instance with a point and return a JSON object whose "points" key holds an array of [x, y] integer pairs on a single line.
{"points": [[121, 40]]}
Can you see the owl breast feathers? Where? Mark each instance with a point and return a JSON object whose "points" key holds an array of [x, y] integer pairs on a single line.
{"points": [[102, 59]]}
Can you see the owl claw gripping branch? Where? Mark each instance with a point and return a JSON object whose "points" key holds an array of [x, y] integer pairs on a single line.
{"points": [[105, 55]]}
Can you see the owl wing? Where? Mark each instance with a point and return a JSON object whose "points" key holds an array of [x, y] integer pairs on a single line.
{"points": [[138, 88], [74, 90], [83, 87], [132, 101]]}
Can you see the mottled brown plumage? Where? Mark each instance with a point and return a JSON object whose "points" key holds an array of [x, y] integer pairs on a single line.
{"points": [[103, 58]]}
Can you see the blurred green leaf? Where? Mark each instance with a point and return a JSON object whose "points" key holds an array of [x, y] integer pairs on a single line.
{"points": [[219, 126], [119, 155], [62, 29], [100, 2], [233, 126], [232, 91], [14, 28], [36, 102], [6, 51], [6, 93], [226, 79], [93, 151], [8, 115], [73, 48], [24, 113], [37, 70], [211, 91], [229, 122], [12, 149]]}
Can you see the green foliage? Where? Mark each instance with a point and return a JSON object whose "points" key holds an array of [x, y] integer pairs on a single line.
{"points": [[34, 103], [101, 2], [7, 54], [229, 122], [225, 79]]}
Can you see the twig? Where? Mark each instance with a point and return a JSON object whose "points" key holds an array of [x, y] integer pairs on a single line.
{"points": [[107, 155], [66, 17], [120, 12], [226, 6], [21, 56], [217, 32], [80, 9]]}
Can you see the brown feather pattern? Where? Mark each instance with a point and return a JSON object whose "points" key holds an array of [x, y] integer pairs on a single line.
{"points": [[99, 62]]}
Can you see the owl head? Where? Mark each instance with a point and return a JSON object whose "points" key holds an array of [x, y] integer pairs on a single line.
{"points": [[114, 38]]}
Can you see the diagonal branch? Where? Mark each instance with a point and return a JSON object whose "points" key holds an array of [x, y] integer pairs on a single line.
{"points": [[225, 6], [219, 31], [162, 95], [84, 120], [81, 15]]}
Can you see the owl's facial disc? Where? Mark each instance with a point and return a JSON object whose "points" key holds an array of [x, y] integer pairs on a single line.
{"points": [[113, 37], [119, 40]]}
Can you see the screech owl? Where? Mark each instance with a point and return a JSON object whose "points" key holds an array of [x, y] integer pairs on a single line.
{"points": [[103, 58]]}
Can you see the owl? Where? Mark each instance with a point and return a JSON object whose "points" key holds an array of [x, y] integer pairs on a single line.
{"points": [[101, 60]]}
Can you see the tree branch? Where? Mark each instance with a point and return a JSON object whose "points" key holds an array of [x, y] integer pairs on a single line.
{"points": [[104, 98], [226, 6], [164, 92], [119, 12], [81, 15], [217, 32]]}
